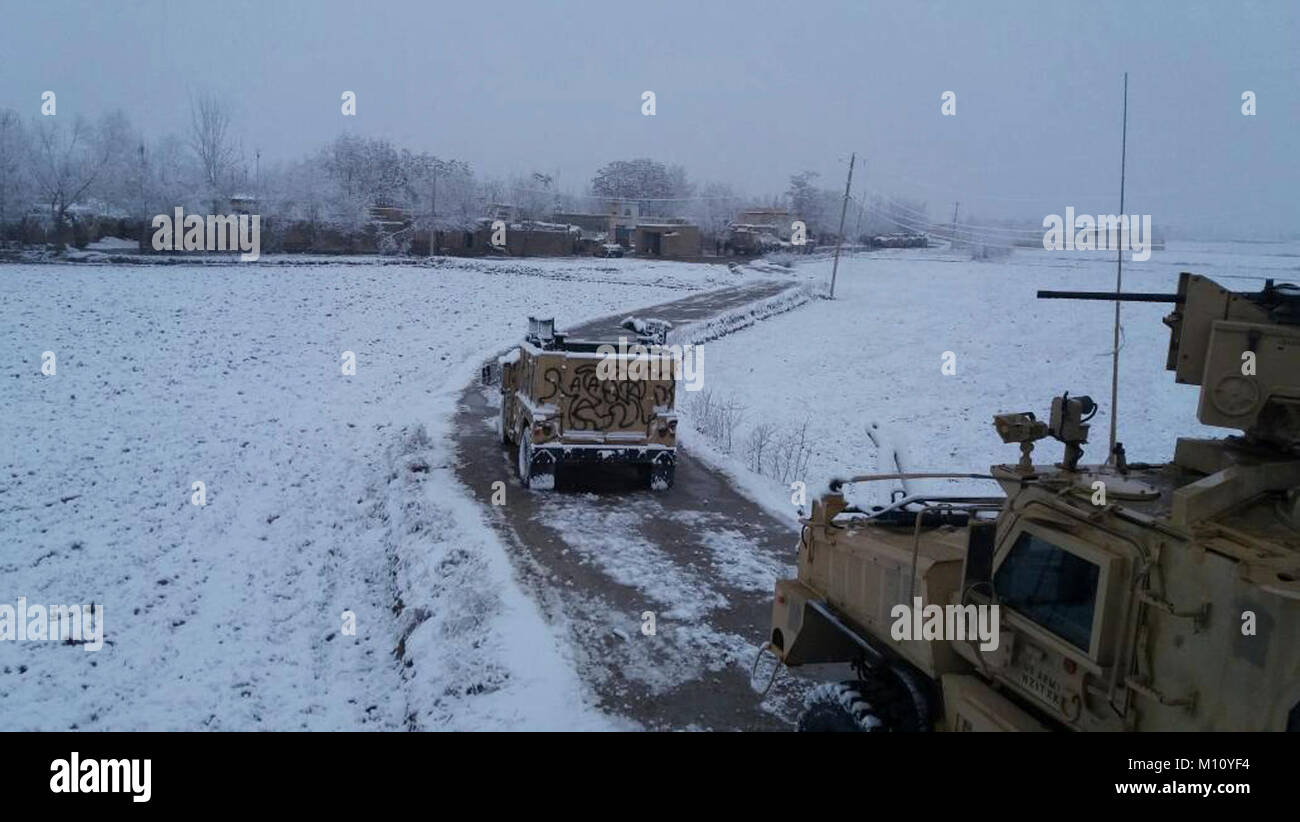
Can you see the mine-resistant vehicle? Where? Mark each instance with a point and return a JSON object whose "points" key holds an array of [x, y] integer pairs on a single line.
{"points": [[1129, 596], [582, 402]]}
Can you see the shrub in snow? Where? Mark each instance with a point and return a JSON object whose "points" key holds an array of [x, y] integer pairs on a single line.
{"points": [[715, 418], [790, 455]]}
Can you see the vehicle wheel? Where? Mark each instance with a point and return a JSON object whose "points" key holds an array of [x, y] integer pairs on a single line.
{"points": [[661, 478], [880, 704], [525, 458], [838, 708]]}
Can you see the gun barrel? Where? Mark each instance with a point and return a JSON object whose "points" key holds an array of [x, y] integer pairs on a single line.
{"points": [[1129, 297]]}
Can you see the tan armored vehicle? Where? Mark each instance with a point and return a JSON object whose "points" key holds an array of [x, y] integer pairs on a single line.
{"points": [[1125, 596], [581, 402]]}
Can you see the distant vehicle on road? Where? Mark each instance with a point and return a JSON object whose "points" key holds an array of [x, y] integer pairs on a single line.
{"points": [[900, 241], [581, 402]]}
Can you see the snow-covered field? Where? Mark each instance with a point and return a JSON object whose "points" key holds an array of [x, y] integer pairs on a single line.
{"points": [[324, 493], [875, 355], [328, 493]]}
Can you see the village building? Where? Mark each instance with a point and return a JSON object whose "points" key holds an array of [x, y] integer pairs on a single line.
{"points": [[667, 238]]}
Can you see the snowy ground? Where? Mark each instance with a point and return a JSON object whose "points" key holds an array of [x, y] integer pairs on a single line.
{"points": [[874, 355], [328, 493], [324, 493]]}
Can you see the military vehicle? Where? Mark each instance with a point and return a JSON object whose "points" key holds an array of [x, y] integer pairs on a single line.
{"points": [[1128, 596], [575, 402], [904, 240], [745, 240]]}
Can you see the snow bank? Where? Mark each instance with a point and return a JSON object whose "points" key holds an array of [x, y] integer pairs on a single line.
{"points": [[732, 321], [475, 651]]}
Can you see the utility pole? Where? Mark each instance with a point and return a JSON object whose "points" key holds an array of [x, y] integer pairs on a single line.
{"points": [[839, 240], [953, 238], [433, 212], [144, 173]]}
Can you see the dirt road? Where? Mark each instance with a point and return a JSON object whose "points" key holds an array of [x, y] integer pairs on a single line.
{"points": [[610, 561]]}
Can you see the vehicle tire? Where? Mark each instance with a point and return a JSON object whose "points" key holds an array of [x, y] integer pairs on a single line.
{"points": [[661, 478], [838, 708], [879, 704], [524, 461]]}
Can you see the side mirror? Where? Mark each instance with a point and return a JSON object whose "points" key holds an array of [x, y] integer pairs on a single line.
{"points": [[487, 376]]}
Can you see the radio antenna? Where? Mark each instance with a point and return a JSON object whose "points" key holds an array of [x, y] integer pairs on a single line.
{"points": [[1119, 284]]}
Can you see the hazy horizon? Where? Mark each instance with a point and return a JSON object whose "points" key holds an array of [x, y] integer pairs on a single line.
{"points": [[744, 96]]}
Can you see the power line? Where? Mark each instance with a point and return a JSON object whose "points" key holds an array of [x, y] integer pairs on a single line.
{"points": [[929, 227], [895, 203]]}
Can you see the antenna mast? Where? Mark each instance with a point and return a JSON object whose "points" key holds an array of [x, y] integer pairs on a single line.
{"points": [[1119, 283]]}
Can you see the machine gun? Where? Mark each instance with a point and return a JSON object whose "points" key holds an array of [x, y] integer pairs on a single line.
{"points": [[1242, 348]]}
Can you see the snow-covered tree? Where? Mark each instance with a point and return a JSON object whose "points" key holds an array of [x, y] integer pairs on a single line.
{"points": [[445, 190], [808, 201], [648, 182], [171, 176], [121, 184], [13, 149], [715, 208], [66, 160], [534, 196]]}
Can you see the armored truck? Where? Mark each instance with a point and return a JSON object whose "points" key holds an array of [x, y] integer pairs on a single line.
{"points": [[569, 402], [1124, 595]]}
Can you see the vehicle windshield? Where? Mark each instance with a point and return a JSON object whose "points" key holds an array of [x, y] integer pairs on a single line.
{"points": [[1051, 586]]}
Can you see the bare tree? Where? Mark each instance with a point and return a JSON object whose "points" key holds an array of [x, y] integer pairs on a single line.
{"points": [[12, 146], [757, 445], [120, 184], [716, 207], [210, 138], [65, 164], [168, 168]]}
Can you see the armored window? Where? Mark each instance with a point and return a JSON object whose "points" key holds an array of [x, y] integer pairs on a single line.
{"points": [[1051, 586]]}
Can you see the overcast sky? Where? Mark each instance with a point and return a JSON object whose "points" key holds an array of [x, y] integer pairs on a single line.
{"points": [[747, 92]]}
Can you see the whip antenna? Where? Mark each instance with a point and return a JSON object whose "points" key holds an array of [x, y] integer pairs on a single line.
{"points": [[1119, 283]]}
